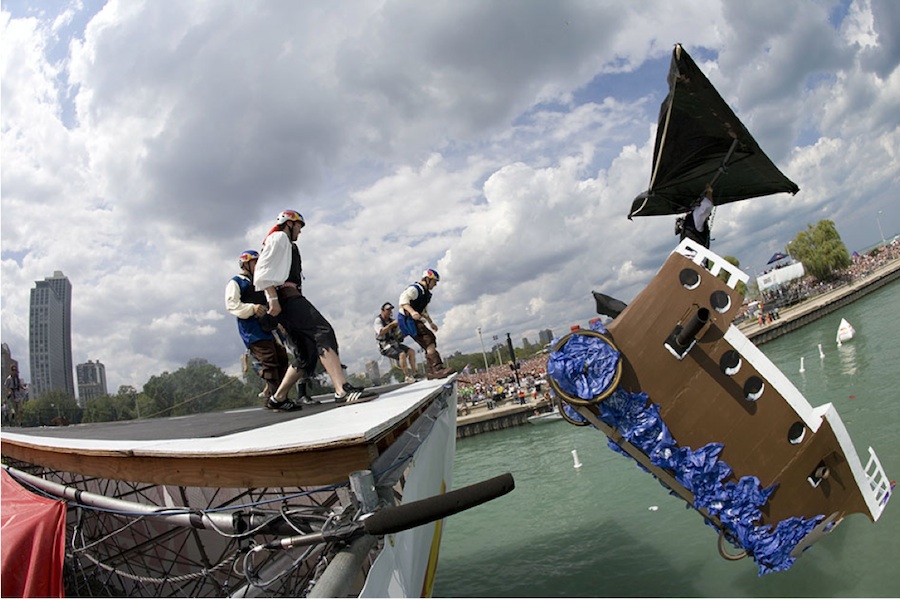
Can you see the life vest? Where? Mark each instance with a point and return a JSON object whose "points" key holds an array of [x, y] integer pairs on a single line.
{"points": [[421, 302], [296, 273], [407, 324], [250, 329]]}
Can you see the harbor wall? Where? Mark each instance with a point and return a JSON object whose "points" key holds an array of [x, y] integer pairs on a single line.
{"points": [[481, 420]]}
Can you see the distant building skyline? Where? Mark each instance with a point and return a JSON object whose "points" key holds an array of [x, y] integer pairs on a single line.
{"points": [[545, 336], [50, 336], [91, 381], [7, 360], [373, 372]]}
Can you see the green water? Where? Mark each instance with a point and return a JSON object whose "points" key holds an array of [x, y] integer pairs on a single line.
{"points": [[593, 531]]}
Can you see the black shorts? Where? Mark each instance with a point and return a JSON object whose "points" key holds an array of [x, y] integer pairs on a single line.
{"points": [[308, 329], [395, 350]]}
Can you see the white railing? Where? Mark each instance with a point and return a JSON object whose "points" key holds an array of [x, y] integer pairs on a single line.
{"points": [[878, 482], [714, 263]]}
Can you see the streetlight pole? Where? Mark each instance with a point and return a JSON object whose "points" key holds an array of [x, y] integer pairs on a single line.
{"points": [[878, 220], [483, 353]]}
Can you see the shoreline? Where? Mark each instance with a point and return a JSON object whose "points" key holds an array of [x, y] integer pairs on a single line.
{"points": [[794, 317], [511, 414]]}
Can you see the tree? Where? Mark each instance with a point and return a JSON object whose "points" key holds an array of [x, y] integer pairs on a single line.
{"points": [[820, 249], [197, 387], [51, 408], [741, 287]]}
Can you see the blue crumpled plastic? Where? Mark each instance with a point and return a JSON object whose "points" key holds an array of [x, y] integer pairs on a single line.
{"points": [[736, 504], [585, 366]]}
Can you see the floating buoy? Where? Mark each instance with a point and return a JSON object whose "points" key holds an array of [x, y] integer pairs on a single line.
{"points": [[821, 354], [575, 457], [845, 332], [802, 368]]}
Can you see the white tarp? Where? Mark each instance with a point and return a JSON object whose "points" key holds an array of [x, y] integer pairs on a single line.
{"points": [[780, 276], [406, 566]]}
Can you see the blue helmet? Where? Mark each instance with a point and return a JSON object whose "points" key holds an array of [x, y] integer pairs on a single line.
{"points": [[431, 274]]}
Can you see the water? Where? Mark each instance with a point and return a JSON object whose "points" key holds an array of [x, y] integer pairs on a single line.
{"points": [[594, 531]]}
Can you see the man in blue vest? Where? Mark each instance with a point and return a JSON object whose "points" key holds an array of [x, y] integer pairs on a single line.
{"points": [[248, 305], [412, 317]]}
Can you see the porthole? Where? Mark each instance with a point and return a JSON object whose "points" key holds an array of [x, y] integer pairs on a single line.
{"points": [[689, 278], [730, 363], [720, 301], [819, 474], [753, 388], [796, 433]]}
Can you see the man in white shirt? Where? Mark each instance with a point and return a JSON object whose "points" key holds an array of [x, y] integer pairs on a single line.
{"points": [[412, 318], [696, 222], [279, 274]]}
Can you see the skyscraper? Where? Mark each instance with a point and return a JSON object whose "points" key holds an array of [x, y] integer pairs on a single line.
{"points": [[50, 336], [373, 372], [545, 336], [91, 381]]}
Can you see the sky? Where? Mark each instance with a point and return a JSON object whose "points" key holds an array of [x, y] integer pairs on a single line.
{"points": [[146, 144]]}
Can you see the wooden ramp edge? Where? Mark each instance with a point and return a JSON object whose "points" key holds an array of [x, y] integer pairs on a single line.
{"points": [[322, 449]]}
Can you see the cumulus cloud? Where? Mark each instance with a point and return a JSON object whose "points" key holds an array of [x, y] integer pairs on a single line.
{"points": [[146, 144]]}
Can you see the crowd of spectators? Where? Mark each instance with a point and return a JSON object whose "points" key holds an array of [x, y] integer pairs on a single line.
{"points": [[798, 290], [498, 384]]}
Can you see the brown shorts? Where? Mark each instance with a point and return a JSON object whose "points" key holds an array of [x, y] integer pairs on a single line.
{"points": [[424, 336], [273, 358]]}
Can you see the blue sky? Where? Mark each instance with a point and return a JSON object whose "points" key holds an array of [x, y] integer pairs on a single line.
{"points": [[146, 144]]}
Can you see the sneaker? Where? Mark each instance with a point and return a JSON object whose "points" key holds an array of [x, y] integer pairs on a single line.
{"points": [[352, 394], [303, 395], [409, 379], [282, 405]]}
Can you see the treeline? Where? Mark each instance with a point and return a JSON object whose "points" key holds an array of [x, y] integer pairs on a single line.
{"points": [[198, 387]]}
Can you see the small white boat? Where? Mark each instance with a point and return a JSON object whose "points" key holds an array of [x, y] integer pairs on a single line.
{"points": [[845, 332], [547, 417]]}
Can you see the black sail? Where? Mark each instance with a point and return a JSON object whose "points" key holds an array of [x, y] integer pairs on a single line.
{"points": [[698, 135]]}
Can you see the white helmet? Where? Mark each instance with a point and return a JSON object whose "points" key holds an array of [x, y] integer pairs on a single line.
{"points": [[289, 215]]}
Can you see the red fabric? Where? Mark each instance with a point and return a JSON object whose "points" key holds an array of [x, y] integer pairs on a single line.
{"points": [[34, 542]]}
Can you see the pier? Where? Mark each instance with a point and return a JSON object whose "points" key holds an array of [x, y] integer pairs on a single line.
{"points": [[797, 316]]}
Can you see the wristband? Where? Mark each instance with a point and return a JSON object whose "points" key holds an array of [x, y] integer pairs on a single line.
{"points": [[273, 298]]}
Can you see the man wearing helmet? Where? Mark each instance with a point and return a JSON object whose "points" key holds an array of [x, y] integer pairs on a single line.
{"points": [[390, 342], [279, 274], [412, 316], [248, 305]]}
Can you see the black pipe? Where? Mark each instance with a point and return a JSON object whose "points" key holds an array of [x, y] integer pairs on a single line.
{"points": [[690, 331], [407, 516]]}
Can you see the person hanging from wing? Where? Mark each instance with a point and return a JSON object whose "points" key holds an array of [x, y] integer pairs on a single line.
{"points": [[695, 224]]}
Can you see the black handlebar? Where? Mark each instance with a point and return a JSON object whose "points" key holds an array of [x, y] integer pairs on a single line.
{"points": [[406, 516]]}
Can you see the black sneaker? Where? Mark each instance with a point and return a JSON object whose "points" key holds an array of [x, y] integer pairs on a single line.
{"points": [[353, 394], [282, 405], [303, 395]]}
